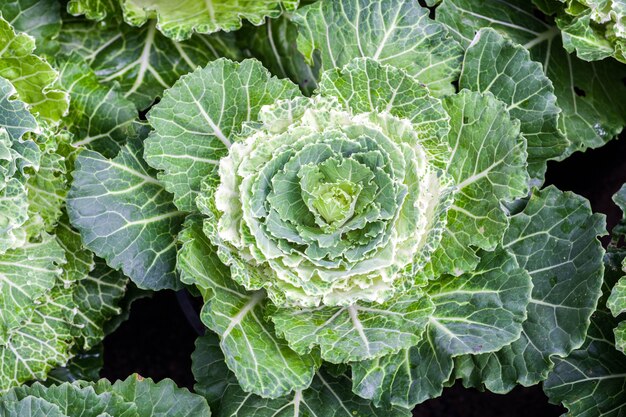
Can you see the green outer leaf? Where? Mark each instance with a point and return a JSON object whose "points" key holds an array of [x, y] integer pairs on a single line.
{"points": [[39, 18], [356, 332], [100, 118], [262, 362], [133, 397], [201, 115], [274, 44], [33, 78], [210, 371], [591, 381], [481, 311], [579, 35], [588, 120], [157, 399], [329, 395], [180, 20], [14, 116], [409, 39], [555, 239], [141, 60], [365, 85], [30, 407], [84, 366], [125, 216], [75, 400], [495, 64], [488, 165]]}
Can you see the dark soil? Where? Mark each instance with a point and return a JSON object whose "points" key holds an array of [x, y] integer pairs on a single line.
{"points": [[157, 340]]}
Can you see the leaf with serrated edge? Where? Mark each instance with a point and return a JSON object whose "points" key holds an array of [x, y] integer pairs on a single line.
{"points": [[591, 381], [588, 93], [200, 116], [409, 39], [327, 396], [262, 362], [99, 117], [488, 165], [494, 64], [180, 20], [555, 239], [33, 78], [480, 311], [358, 331], [39, 18]]}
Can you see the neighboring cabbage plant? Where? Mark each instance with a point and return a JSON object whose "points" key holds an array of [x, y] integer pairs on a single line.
{"points": [[385, 230], [179, 20], [54, 295], [595, 29], [591, 381], [132, 397]]}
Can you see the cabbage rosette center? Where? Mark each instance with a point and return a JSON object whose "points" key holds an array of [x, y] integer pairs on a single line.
{"points": [[320, 204]]}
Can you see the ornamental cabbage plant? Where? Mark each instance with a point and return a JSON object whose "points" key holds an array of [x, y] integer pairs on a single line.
{"points": [[387, 233]]}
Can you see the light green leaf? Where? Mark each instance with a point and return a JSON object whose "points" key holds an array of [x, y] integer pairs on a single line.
{"points": [[47, 186], [595, 29], [617, 300], [125, 216], [356, 332], [365, 85], [479, 311], [27, 274], [555, 239], [14, 116], [199, 118], [328, 395], [262, 362], [93, 9], [588, 93], [591, 381], [180, 20], [43, 341], [39, 18], [100, 118], [400, 34], [13, 214], [74, 400], [488, 166], [29, 407], [141, 60], [505, 69], [33, 78]]}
